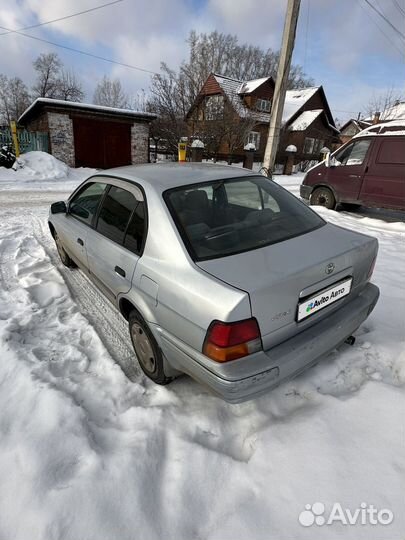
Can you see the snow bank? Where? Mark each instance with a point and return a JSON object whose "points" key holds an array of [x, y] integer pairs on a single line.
{"points": [[43, 171], [84, 453]]}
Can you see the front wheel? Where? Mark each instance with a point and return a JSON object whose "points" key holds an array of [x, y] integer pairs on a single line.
{"points": [[147, 350], [323, 196]]}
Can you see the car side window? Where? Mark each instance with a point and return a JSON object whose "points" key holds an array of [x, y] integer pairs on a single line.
{"points": [[116, 209], [135, 234], [84, 205], [353, 154]]}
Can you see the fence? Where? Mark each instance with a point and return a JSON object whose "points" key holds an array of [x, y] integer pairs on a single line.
{"points": [[27, 140]]}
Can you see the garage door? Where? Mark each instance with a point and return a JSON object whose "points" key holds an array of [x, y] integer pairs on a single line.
{"points": [[101, 144]]}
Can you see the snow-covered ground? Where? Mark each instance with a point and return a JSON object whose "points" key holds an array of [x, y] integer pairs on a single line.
{"points": [[86, 454]]}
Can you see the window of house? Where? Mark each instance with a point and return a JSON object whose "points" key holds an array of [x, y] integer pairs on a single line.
{"points": [[319, 144], [214, 107], [309, 145], [84, 205], [254, 137], [263, 105], [115, 212]]}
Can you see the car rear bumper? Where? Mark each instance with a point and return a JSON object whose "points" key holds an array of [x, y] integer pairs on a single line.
{"points": [[305, 191], [279, 364]]}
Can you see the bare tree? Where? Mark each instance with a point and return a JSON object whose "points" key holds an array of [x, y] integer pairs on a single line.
{"points": [[14, 98], [69, 87], [48, 68], [53, 81], [382, 102], [110, 93], [169, 103]]}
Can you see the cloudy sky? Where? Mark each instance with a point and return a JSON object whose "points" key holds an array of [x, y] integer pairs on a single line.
{"points": [[343, 44]]}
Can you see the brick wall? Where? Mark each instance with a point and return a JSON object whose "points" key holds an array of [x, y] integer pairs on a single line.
{"points": [[139, 142], [61, 137]]}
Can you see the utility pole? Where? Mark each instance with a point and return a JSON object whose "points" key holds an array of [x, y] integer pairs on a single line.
{"points": [[283, 71]]}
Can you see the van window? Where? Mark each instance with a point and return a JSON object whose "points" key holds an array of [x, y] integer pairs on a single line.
{"points": [[392, 152], [117, 207], [84, 205], [354, 154]]}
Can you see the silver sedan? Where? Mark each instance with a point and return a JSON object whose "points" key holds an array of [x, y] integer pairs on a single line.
{"points": [[221, 273]]}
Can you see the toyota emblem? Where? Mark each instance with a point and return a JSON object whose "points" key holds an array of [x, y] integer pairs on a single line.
{"points": [[329, 268]]}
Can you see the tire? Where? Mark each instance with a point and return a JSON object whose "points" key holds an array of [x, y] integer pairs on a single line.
{"points": [[323, 196], [147, 350], [64, 257]]}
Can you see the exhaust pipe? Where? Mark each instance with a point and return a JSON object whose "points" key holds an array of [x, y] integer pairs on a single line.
{"points": [[350, 340]]}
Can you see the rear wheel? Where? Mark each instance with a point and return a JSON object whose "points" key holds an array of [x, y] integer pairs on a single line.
{"points": [[147, 350], [323, 196], [64, 257]]}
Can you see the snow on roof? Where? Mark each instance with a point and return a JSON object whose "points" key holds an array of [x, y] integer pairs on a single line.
{"points": [[305, 119], [87, 106], [248, 86], [295, 99], [396, 112]]}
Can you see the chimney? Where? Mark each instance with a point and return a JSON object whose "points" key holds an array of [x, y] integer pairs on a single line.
{"points": [[376, 118]]}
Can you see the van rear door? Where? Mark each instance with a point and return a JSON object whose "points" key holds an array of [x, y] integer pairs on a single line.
{"points": [[347, 170], [384, 180]]}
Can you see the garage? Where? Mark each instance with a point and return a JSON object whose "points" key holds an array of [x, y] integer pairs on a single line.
{"points": [[87, 135], [101, 144]]}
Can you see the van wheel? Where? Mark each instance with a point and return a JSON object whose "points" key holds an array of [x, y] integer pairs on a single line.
{"points": [[64, 257], [323, 196], [146, 349]]}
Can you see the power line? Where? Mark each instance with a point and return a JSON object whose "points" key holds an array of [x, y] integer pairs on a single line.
{"points": [[401, 52], [381, 14], [85, 53], [61, 18], [398, 5]]}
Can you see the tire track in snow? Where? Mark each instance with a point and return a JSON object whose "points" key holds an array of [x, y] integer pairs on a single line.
{"points": [[109, 324]]}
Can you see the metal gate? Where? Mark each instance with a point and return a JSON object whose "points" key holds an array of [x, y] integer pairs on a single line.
{"points": [[27, 140]]}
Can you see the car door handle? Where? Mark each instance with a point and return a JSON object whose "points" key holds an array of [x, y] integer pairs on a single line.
{"points": [[119, 271], [354, 176], [80, 241]]}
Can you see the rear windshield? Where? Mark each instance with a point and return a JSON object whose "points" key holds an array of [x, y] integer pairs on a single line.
{"points": [[221, 218]]}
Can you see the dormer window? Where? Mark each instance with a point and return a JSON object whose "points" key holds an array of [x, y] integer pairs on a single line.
{"points": [[263, 105]]}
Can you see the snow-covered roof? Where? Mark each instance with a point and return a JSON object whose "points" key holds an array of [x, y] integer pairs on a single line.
{"points": [[396, 112], [248, 86], [295, 99], [305, 119], [85, 106]]}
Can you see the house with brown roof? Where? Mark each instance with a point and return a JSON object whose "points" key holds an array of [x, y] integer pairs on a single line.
{"points": [[351, 128], [307, 121]]}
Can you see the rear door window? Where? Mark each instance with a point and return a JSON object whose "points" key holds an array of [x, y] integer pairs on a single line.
{"points": [[135, 234], [115, 212], [392, 152], [84, 205]]}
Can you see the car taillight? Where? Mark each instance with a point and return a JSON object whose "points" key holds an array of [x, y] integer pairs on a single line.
{"points": [[229, 341], [370, 272]]}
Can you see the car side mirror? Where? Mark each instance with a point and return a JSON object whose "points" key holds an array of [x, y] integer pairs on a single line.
{"points": [[58, 207], [327, 160]]}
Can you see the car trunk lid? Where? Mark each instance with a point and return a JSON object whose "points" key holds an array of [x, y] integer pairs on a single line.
{"points": [[280, 276]]}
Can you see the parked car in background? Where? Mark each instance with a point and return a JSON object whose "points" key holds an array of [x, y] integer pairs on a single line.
{"points": [[369, 170], [221, 273]]}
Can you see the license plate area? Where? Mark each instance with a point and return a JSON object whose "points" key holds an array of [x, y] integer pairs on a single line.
{"points": [[323, 298]]}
